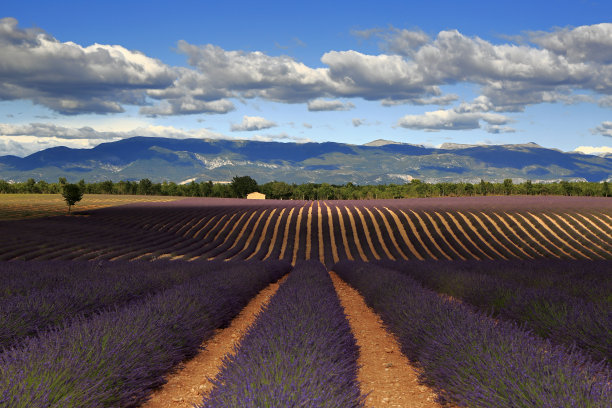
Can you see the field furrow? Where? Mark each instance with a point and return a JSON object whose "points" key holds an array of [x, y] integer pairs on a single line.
{"points": [[368, 237], [355, 231], [332, 233], [543, 225], [519, 251], [442, 234], [587, 236], [459, 232], [345, 243], [531, 231], [406, 240]]}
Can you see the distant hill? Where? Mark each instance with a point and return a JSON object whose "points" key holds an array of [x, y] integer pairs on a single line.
{"points": [[380, 161]]}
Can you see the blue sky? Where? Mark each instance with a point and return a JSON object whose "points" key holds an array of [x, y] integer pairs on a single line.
{"points": [[80, 73]]}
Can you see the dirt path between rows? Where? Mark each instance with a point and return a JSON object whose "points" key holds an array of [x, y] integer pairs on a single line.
{"points": [[189, 385], [384, 372]]}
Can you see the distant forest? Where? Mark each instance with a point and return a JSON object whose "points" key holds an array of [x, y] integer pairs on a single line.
{"points": [[240, 186]]}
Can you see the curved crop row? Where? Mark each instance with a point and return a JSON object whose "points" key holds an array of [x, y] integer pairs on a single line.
{"points": [[114, 358], [88, 288], [328, 231], [300, 351], [546, 310], [471, 359]]}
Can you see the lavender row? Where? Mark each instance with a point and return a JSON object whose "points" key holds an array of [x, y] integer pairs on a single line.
{"points": [[473, 360], [115, 357], [98, 285], [548, 311], [579, 278], [300, 351]]}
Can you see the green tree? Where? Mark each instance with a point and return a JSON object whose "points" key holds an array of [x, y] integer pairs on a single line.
{"points": [[107, 186], [5, 187], [529, 187], [483, 187], [82, 185], [508, 186], [566, 187], [469, 189], [72, 194], [206, 188], [241, 186], [145, 186], [30, 186]]}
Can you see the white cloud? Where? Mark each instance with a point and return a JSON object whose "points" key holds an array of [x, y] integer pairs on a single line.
{"points": [[307, 125], [187, 105], [222, 73], [499, 129], [555, 66], [250, 123], [580, 44], [70, 78], [594, 150], [318, 105], [357, 122], [455, 119], [605, 129]]}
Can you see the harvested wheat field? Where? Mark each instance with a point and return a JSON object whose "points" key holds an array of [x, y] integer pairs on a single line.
{"points": [[19, 206], [462, 302]]}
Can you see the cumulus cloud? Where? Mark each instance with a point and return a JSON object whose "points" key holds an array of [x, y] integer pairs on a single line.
{"points": [[595, 150], [465, 118], [187, 105], [579, 44], [247, 74], [605, 129], [71, 79], [318, 105], [307, 125], [513, 76], [546, 67], [499, 129], [357, 122], [251, 123]]}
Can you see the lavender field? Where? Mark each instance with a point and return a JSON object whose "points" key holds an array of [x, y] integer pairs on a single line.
{"points": [[496, 301]]}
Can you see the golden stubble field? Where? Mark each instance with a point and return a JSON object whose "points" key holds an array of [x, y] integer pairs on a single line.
{"points": [[18, 206]]}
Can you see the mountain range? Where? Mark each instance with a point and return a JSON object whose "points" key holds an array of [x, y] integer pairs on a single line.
{"points": [[380, 161]]}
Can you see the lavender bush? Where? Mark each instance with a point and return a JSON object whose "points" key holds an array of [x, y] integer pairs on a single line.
{"points": [[299, 353], [473, 360], [114, 358], [536, 295], [73, 288]]}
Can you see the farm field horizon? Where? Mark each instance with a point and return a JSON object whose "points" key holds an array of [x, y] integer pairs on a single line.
{"points": [[103, 307], [449, 228]]}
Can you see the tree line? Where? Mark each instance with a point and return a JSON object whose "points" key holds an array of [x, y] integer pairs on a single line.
{"points": [[241, 186]]}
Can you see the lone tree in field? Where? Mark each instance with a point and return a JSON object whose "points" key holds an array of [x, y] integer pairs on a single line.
{"points": [[72, 193], [241, 186]]}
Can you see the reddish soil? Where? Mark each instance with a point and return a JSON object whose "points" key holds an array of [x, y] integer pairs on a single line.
{"points": [[190, 383], [385, 373]]}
